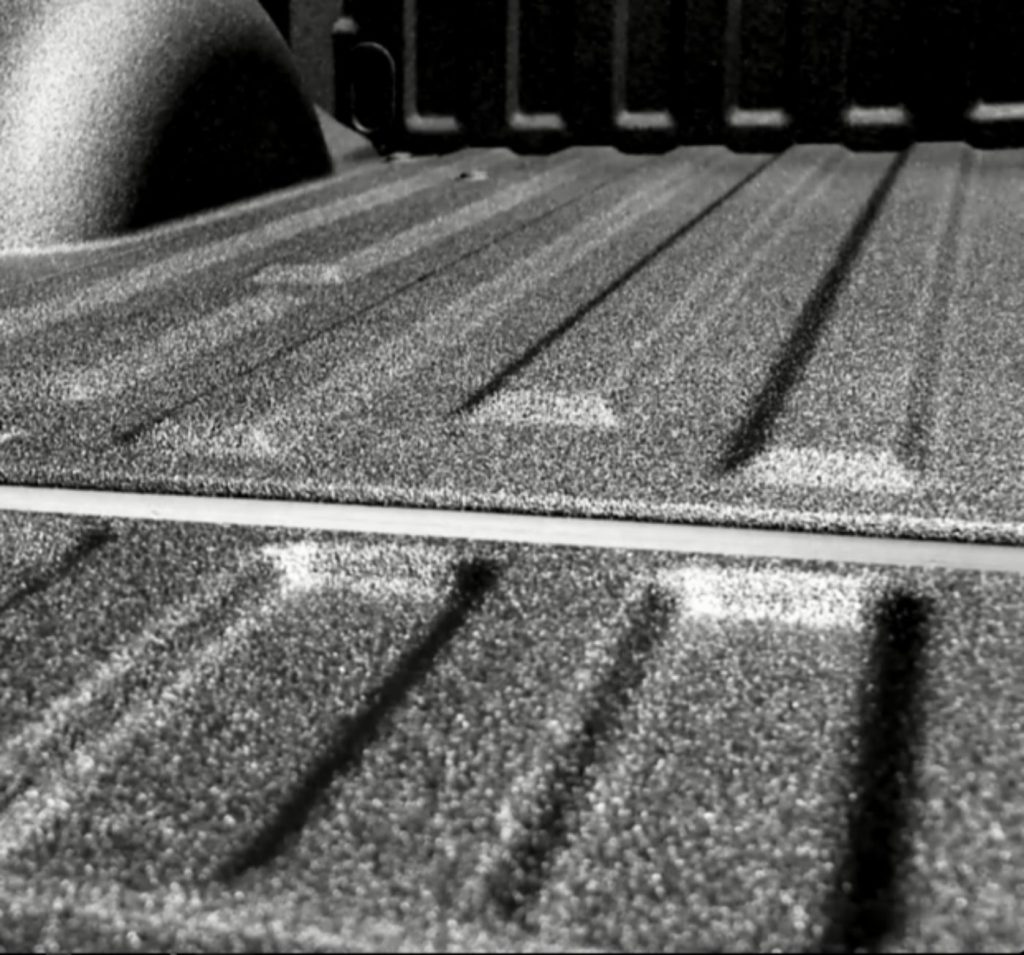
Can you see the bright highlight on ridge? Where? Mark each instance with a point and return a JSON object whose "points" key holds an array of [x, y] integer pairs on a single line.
{"points": [[814, 467], [788, 597], [538, 407], [370, 570]]}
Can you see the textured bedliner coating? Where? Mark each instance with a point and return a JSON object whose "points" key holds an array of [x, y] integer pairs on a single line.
{"points": [[267, 740], [820, 339]]}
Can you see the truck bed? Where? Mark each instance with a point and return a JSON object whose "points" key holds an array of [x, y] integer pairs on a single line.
{"points": [[820, 339], [659, 733]]}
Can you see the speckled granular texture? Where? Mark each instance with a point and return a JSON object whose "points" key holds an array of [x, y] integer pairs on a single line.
{"points": [[263, 740], [116, 114], [819, 339]]}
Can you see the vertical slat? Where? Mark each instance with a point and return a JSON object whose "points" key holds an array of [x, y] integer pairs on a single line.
{"points": [[996, 102], [759, 64], [429, 71], [437, 57], [649, 38], [756, 74], [880, 45], [538, 62], [645, 33]]}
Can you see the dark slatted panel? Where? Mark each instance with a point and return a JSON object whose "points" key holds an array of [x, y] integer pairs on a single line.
{"points": [[755, 74]]}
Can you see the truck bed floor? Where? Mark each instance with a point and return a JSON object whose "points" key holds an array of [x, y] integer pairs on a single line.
{"points": [[821, 339], [319, 735]]}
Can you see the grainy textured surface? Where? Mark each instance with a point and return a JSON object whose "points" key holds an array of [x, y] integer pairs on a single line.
{"points": [[820, 339], [116, 114], [257, 740], [250, 739]]}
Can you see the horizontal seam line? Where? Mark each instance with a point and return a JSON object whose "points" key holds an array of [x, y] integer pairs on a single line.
{"points": [[544, 530]]}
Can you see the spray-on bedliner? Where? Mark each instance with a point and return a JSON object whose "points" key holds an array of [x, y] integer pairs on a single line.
{"points": [[242, 739], [821, 339]]}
